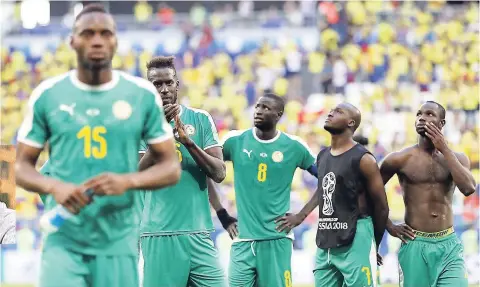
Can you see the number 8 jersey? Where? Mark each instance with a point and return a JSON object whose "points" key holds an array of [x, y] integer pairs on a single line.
{"points": [[263, 174], [92, 130]]}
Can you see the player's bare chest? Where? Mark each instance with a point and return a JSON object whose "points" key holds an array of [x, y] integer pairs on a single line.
{"points": [[423, 168]]}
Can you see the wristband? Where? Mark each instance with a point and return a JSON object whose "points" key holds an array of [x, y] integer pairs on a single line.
{"points": [[225, 218]]}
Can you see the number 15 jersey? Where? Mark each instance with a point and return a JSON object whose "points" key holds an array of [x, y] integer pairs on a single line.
{"points": [[92, 130], [263, 174]]}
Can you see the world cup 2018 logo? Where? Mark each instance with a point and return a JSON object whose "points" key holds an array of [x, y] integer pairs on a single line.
{"points": [[328, 185]]}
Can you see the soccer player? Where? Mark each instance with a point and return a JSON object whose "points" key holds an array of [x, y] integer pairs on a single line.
{"points": [[176, 223], [264, 161], [94, 119], [431, 254], [352, 203]]}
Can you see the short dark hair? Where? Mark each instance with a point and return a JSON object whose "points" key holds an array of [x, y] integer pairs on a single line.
{"points": [[443, 112], [162, 62], [361, 140], [278, 100], [91, 8]]}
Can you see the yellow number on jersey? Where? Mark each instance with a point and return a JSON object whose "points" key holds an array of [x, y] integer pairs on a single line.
{"points": [[179, 153], [262, 172], [366, 270], [288, 278], [95, 134]]}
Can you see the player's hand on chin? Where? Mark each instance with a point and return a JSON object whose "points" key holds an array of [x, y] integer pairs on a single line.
{"points": [[288, 222], [436, 136], [108, 184], [171, 111], [402, 232], [72, 197]]}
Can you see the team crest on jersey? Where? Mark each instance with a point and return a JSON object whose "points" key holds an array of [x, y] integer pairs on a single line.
{"points": [[277, 156], [190, 130], [122, 110]]}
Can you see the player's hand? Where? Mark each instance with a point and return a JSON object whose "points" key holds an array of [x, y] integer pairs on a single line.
{"points": [[379, 259], [288, 222], [436, 136], [401, 231], [180, 133], [108, 184], [171, 111], [72, 197], [232, 230], [229, 223]]}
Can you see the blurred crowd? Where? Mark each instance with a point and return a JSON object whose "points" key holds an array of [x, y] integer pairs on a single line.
{"points": [[384, 56]]}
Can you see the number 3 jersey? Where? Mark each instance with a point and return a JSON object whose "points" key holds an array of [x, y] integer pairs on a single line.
{"points": [[263, 174], [92, 130], [184, 207]]}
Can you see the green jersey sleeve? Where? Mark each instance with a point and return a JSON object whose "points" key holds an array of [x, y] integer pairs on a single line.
{"points": [[143, 147], [306, 156], [156, 129], [210, 134], [34, 129], [228, 144]]}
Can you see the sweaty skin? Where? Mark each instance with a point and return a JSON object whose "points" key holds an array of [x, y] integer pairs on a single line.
{"points": [[428, 173], [427, 187]]}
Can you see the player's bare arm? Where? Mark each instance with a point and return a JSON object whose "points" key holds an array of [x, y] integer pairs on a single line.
{"points": [[376, 191], [390, 166], [210, 160], [164, 172], [72, 197], [229, 223], [290, 221], [458, 164]]}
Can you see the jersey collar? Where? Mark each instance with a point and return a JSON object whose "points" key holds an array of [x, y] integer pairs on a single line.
{"points": [[104, 87], [266, 141]]}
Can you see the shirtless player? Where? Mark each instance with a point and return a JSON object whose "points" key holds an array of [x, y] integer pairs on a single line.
{"points": [[431, 254]]}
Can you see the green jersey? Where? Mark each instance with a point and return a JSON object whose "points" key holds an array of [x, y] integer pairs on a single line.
{"points": [[263, 174], [45, 170], [92, 130], [184, 207]]}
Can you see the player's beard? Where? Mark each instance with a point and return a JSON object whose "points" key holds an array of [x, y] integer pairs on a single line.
{"points": [[95, 67]]}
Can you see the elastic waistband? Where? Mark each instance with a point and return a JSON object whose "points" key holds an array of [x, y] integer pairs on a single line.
{"points": [[434, 235]]}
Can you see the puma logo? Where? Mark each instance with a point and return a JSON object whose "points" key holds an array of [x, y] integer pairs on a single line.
{"points": [[68, 109], [247, 152]]}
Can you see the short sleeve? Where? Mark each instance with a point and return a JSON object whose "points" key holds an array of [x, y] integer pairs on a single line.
{"points": [[156, 129], [143, 147], [306, 156], [210, 134], [34, 128], [228, 144]]}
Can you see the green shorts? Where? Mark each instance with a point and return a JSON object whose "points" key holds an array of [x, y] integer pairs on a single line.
{"points": [[61, 267], [262, 263], [181, 260], [432, 259], [352, 265]]}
